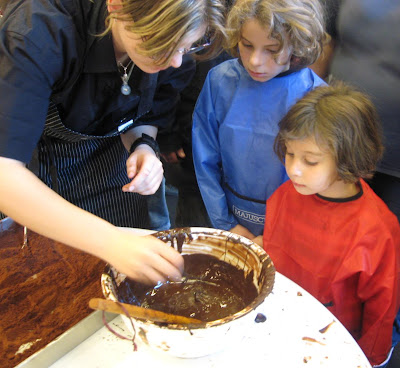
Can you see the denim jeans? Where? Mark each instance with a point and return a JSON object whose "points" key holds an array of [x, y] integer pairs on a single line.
{"points": [[158, 209]]}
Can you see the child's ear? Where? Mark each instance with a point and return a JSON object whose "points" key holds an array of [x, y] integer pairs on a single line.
{"points": [[113, 5]]}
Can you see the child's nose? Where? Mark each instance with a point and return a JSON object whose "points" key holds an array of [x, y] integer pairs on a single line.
{"points": [[294, 168], [256, 58]]}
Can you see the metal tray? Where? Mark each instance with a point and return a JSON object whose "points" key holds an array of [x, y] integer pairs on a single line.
{"points": [[67, 341]]}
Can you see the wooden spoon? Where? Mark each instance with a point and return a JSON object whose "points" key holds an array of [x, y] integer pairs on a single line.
{"points": [[140, 313]]}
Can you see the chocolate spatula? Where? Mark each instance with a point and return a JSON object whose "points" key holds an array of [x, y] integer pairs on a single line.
{"points": [[141, 313]]}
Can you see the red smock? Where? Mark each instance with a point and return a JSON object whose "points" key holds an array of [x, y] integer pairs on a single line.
{"points": [[346, 253]]}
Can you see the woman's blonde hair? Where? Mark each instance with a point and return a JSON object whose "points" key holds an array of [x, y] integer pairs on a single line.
{"points": [[343, 121], [163, 24], [298, 24]]}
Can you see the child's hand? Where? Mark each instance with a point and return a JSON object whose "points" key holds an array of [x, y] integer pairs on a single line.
{"points": [[145, 169], [241, 230], [144, 258], [174, 157], [258, 240]]}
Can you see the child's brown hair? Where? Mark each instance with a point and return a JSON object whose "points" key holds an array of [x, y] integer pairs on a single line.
{"points": [[298, 24], [342, 120]]}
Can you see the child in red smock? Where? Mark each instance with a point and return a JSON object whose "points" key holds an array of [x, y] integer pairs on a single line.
{"points": [[325, 228]]}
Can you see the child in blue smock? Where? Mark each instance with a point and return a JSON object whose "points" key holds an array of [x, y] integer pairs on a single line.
{"points": [[236, 116]]}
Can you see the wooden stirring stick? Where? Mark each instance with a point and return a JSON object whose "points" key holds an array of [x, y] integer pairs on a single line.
{"points": [[140, 313]]}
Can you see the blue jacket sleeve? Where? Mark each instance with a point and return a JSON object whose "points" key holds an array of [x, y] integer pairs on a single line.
{"points": [[207, 156]]}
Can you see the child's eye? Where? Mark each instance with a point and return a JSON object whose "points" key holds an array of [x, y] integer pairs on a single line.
{"points": [[289, 154], [247, 45], [311, 163]]}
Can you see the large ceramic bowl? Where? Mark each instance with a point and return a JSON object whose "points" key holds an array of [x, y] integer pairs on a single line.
{"points": [[179, 340]]}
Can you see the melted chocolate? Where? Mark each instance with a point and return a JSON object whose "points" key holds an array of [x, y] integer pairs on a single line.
{"points": [[210, 289]]}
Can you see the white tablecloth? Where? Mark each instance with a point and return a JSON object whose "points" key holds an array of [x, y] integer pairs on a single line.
{"points": [[289, 338]]}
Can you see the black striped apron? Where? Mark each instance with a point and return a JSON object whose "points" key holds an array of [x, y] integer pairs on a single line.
{"points": [[88, 171]]}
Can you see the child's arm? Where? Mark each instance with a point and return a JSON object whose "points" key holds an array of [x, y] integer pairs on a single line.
{"points": [[207, 158], [259, 240], [379, 287], [243, 231]]}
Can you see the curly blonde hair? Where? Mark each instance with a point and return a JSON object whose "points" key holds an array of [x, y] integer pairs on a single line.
{"points": [[162, 24], [296, 23], [343, 121]]}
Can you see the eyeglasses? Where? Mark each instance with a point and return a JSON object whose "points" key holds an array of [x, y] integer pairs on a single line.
{"points": [[193, 50]]}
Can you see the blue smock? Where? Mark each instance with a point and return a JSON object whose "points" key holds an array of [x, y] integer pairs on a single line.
{"points": [[235, 122]]}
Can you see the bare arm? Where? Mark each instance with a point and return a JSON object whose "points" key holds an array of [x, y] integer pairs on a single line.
{"points": [[258, 240], [28, 201], [131, 135], [241, 230]]}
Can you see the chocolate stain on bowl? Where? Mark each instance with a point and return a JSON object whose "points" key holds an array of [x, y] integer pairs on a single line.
{"points": [[211, 289], [177, 237], [219, 247]]}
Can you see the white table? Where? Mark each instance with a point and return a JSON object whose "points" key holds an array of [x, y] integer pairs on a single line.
{"points": [[289, 338]]}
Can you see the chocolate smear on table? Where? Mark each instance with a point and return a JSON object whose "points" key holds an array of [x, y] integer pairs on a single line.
{"points": [[211, 289]]}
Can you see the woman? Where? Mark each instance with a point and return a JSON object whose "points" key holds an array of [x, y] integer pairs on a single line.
{"points": [[88, 84]]}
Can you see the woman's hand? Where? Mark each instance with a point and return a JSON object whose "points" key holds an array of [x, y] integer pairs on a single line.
{"points": [[145, 170], [144, 258]]}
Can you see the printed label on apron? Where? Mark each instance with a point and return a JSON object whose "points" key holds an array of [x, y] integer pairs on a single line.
{"points": [[248, 216]]}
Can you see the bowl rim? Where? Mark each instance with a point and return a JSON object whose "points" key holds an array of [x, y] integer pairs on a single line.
{"points": [[109, 275]]}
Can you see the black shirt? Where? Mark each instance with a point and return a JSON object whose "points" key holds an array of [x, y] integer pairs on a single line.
{"points": [[49, 50]]}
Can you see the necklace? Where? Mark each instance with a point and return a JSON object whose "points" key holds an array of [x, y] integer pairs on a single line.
{"points": [[125, 89]]}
